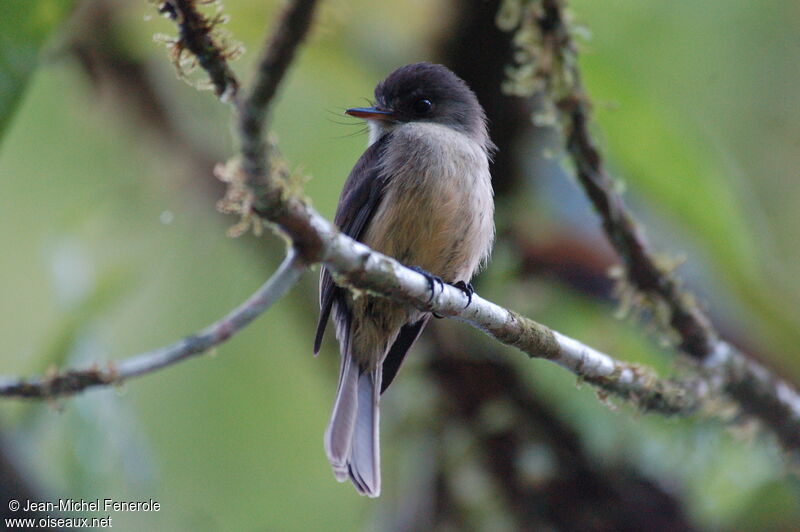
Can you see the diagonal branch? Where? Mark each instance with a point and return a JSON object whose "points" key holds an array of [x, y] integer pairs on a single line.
{"points": [[357, 266], [756, 390], [74, 381]]}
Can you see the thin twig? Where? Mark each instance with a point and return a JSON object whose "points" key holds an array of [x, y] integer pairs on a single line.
{"points": [[290, 30], [197, 36], [758, 392], [74, 381]]}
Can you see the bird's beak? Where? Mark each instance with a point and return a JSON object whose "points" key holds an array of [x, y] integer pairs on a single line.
{"points": [[370, 113]]}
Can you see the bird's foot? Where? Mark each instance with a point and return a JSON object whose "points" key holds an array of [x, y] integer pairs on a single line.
{"points": [[467, 288], [432, 281]]}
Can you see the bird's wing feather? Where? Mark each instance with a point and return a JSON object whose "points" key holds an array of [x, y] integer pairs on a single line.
{"points": [[361, 196], [394, 358]]}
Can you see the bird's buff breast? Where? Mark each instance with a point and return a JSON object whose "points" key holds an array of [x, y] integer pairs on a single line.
{"points": [[437, 212]]}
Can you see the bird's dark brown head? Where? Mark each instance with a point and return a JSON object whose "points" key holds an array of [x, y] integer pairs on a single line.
{"points": [[426, 92]]}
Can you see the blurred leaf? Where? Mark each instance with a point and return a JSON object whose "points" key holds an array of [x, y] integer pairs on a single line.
{"points": [[24, 28]]}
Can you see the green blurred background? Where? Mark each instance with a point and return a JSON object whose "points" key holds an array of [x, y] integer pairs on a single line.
{"points": [[112, 246]]}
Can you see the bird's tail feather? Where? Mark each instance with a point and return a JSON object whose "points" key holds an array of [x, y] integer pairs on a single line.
{"points": [[365, 461], [352, 438], [339, 435]]}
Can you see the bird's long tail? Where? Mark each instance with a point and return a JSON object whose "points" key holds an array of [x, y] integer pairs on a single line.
{"points": [[352, 437]]}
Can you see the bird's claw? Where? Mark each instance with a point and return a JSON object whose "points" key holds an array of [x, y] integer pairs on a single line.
{"points": [[432, 280], [467, 288]]}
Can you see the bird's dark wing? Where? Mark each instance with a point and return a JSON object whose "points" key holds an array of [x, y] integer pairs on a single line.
{"points": [[361, 195], [408, 335]]}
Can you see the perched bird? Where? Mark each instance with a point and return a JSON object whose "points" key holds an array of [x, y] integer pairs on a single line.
{"points": [[422, 194]]}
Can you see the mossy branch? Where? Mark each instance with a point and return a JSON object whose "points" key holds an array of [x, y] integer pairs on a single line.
{"points": [[547, 65], [201, 39]]}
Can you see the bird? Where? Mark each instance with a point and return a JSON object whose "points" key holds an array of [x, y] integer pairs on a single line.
{"points": [[420, 193]]}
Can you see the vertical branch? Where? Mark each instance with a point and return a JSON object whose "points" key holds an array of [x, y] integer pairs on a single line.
{"points": [[290, 30], [267, 191]]}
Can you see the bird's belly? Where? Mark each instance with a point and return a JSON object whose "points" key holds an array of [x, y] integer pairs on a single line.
{"points": [[437, 225], [437, 213]]}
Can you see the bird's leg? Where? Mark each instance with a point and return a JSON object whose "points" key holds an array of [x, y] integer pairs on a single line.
{"points": [[467, 288]]}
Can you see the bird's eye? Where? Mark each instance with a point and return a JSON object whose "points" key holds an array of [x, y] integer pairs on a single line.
{"points": [[423, 106]]}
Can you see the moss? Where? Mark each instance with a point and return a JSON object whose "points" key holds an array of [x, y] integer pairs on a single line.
{"points": [[243, 197], [238, 199], [202, 41], [531, 337]]}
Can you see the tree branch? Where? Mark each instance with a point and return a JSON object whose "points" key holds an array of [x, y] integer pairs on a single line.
{"points": [[556, 73], [74, 381], [197, 36], [290, 31], [356, 266]]}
